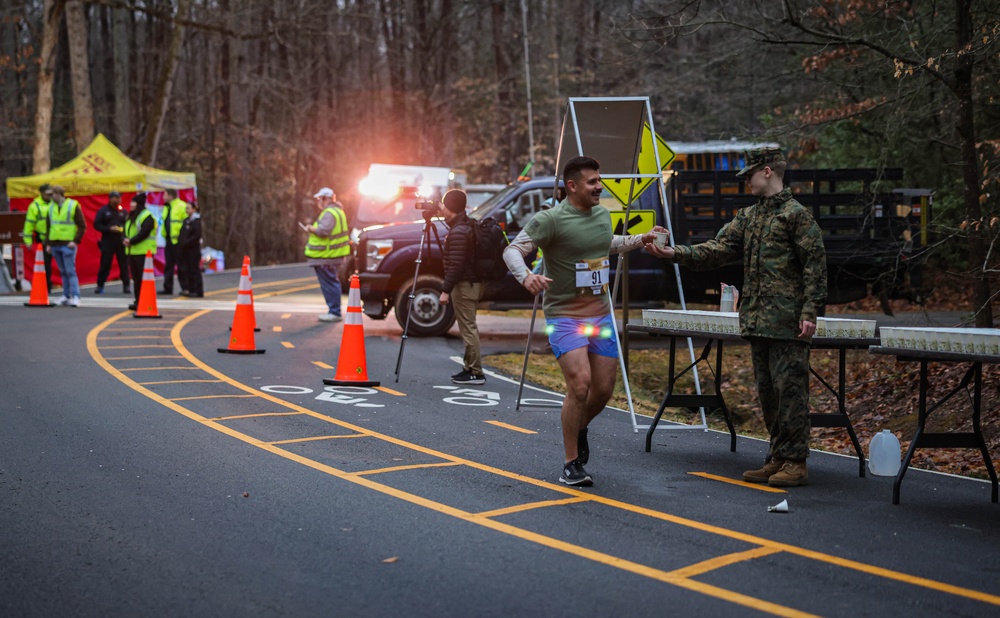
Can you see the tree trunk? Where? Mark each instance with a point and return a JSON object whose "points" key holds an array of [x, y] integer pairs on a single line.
{"points": [[165, 87], [237, 130], [970, 166], [52, 12], [503, 113], [120, 46], [79, 60]]}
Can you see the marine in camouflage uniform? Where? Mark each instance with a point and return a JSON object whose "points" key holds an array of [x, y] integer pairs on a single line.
{"points": [[784, 266]]}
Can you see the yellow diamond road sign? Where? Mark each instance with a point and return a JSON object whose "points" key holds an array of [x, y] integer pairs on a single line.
{"points": [[619, 187]]}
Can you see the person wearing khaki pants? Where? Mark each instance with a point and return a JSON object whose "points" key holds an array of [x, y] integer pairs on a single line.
{"points": [[461, 287], [465, 298]]}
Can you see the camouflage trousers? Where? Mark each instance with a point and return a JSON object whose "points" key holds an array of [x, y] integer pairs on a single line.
{"points": [[781, 370]]}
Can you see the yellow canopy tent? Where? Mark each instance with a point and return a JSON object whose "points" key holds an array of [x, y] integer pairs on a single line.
{"points": [[98, 170], [88, 178]]}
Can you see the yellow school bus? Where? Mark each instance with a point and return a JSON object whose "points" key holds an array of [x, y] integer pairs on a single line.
{"points": [[722, 155]]}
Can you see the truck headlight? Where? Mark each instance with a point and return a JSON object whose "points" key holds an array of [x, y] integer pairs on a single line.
{"points": [[375, 252]]}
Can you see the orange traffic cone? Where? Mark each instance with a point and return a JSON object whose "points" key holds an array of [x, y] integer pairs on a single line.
{"points": [[246, 262], [146, 307], [39, 287], [352, 367], [241, 338]]}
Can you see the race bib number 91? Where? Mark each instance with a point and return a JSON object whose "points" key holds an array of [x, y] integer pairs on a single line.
{"points": [[592, 276]]}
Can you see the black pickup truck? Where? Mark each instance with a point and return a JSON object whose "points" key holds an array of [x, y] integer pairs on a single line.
{"points": [[870, 238]]}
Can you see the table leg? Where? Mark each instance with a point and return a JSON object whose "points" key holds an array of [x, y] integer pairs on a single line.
{"points": [[718, 394], [666, 396], [977, 429], [921, 418], [842, 406]]}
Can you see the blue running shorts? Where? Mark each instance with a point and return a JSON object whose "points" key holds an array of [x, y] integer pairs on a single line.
{"points": [[596, 334]]}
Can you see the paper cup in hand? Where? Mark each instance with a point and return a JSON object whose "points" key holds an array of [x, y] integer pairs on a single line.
{"points": [[660, 239]]}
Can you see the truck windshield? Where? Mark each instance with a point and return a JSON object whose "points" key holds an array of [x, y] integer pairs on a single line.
{"points": [[378, 212], [497, 198]]}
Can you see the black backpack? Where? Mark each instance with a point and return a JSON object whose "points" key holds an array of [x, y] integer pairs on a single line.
{"points": [[489, 241]]}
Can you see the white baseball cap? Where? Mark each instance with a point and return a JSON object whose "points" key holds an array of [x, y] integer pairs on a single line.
{"points": [[325, 192]]}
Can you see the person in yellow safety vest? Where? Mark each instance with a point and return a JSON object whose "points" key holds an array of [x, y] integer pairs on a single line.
{"points": [[329, 242], [36, 226], [174, 213], [66, 226], [140, 237]]}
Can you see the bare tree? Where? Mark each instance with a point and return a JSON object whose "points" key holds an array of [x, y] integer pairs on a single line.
{"points": [[165, 85], [51, 13], [79, 60]]}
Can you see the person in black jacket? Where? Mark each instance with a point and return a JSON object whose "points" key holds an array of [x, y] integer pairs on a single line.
{"points": [[136, 231], [461, 287], [189, 265], [110, 222]]}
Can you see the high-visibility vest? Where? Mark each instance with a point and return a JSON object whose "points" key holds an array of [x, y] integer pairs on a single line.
{"points": [[132, 228], [176, 210], [339, 242], [62, 224], [37, 219]]}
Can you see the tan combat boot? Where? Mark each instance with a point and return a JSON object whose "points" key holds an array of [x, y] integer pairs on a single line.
{"points": [[792, 474], [763, 474]]}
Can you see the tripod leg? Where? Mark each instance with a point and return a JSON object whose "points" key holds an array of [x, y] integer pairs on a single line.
{"points": [[425, 240]]}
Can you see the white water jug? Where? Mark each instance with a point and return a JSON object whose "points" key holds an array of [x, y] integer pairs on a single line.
{"points": [[883, 454]]}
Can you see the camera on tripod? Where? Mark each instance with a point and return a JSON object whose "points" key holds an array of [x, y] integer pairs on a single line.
{"points": [[424, 198], [430, 207]]}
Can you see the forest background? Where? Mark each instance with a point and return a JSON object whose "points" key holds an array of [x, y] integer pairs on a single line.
{"points": [[268, 100]]}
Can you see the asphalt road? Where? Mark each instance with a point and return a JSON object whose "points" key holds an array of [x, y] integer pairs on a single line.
{"points": [[142, 473]]}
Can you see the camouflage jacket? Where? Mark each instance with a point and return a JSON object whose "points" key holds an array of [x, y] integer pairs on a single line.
{"points": [[784, 265]]}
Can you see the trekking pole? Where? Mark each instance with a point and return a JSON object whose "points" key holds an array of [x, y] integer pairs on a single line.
{"points": [[527, 351]]}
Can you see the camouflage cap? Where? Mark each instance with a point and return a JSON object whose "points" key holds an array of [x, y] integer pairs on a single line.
{"points": [[756, 157]]}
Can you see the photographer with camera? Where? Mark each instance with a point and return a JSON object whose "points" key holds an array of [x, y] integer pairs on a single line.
{"points": [[461, 286]]}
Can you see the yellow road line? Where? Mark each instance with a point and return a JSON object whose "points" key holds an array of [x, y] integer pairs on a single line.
{"points": [[322, 365], [314, 438], [725, 479], [212, 397], [389, 391], [314, 286], [262, 285], [143, 357], [287, 344], [157, 368], [238, 416], [132, 347], [116, 337], [122, 330], [276, 329], [444, 464], [614, 561], [532, 505], [285, 316], [719, 562], [511, 427], [177, 382]]}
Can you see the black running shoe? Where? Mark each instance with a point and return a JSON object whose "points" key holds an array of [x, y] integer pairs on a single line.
{"points": [[459, 374], [582, 447], [574, 474], [467, 377]]}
